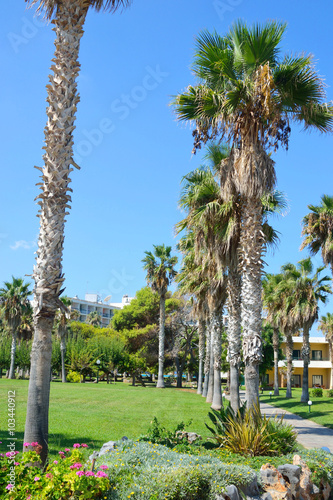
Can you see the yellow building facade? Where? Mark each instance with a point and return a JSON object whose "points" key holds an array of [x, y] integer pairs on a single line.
{"points": [[320, 366]]}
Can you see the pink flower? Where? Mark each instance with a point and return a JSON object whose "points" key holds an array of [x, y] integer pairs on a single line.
{"points": [[80, 473], [34, 444], [9, 486], [16, 463], [77, 465], [28, 498], [76, 445], [84, 445], [89, 473], [104, 467], [48, 475], [36, 478], [16, 452], [10, 454], [67, 449], [100, 473], [55, 461], [26, 444], [2, 455]]}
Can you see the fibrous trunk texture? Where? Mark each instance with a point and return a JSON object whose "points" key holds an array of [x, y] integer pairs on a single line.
{"points": [[217, 349], [234, 334], [160, 380], [54, 202], [207, 361], [11, 374], [289, 354], [276, 360], [252, 240], [306, 360], [202, 326], [210, 390]]}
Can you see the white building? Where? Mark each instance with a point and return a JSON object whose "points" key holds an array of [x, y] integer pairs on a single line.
{"points": [[92, 303], [124, 302]]}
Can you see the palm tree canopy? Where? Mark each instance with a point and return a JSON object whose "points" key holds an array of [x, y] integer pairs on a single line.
{"points": [[247, 92], [318, 229], [159, 265], [14, 298], [326, 326], [50, 7], [302, 292]]}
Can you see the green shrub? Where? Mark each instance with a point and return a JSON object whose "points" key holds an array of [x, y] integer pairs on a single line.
{"points": [[146, 471], [250, 433], [160, 435], [73, 377], [317, 392], [330, 393]]}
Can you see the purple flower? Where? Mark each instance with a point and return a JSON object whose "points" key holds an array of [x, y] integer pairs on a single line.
{"points": [[76, 445], [100, 473], [80, 473]]}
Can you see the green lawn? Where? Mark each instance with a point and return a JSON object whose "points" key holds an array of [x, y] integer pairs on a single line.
{"points": [[96, 413], [321, 409]]}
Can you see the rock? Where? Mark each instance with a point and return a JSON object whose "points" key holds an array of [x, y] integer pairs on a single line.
{"points": [[274, 483], [190, 436], [291, 474], [326, 491], [308, 490], [251, 489], [232, 493], [110, 445]]}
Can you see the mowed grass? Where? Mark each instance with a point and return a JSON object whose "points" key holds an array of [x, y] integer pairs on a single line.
{"points": [[321, 408], [95, 413]]}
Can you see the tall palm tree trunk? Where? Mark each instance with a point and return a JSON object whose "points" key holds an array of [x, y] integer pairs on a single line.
{"points": [[207, 361], [234, 334], [289, 353], [161, 339], [306, 360], [54, 203], [210, 389], [251, 264], [276, 344], [217, 328], [202, 326], [11, 374]]}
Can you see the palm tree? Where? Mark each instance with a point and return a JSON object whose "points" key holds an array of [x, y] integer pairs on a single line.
{"points": [[68, 17], [62, 318], [14, 302], [94, 318], [318, 230], [326, 327], [160, 273], [248, 95], [271, 304], [303, 292]]}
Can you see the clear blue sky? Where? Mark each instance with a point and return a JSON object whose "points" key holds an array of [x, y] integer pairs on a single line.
{"points": [[132, 151]]}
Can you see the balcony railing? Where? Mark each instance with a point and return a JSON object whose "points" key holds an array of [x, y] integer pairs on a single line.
{"points": [[299, 358]]}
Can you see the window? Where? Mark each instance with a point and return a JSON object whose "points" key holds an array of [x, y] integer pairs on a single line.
{"points": [[317, 355], [317, 380], [296, 354], [295, 381]]}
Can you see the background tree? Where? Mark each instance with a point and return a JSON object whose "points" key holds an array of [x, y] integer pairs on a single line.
{"points": [[326, 327], [318, 230], [62, 319], [160, 273], [248, 95], [94, 318], [68, 17], [14, 302]]}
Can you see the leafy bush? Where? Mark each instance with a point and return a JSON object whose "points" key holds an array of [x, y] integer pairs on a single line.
{"points": [[249, 433], [73, 377], [146, 471], [330, 393], [320, 463], [160, 435], [317, 392], [63, 479]]}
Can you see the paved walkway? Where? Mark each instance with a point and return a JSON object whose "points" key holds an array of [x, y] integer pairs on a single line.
{"points": [[310, 434]]}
